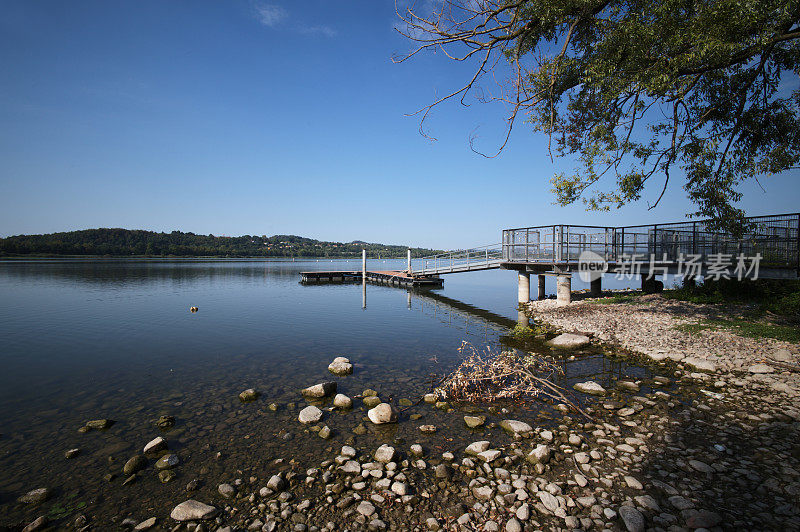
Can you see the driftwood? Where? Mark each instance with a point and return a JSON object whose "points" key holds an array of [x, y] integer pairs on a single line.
{"points": [[487, 377]]}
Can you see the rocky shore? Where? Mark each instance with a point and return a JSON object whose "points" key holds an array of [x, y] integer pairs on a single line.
{"points": [[694, 447]]}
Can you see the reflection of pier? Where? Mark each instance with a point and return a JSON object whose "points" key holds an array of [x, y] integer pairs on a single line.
{"points": [[453, 313]]}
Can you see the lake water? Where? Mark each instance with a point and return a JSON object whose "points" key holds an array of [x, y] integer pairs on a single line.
{"points": [[83, 340]]}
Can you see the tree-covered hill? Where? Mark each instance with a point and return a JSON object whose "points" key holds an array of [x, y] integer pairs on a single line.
{"points": [[125, 242]]}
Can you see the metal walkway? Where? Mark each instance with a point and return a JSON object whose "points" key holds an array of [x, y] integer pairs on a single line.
{"points": [[775, 238], [462, 260]]}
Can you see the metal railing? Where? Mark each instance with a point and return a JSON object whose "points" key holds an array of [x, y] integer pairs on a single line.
{"points": [[462, 260], [775, 237]]}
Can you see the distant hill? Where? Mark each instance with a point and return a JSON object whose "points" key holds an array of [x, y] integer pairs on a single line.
{"points": [[126, 242]]}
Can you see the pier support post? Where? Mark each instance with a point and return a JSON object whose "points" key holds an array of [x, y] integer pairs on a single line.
{"points": [[522, 319], [596, 287], [524, 293], [540, 292], [651, 285], [564, 289], [364, 265], [409, 262]]}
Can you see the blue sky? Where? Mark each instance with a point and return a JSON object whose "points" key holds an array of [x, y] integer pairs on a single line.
{"points": [[248, 117]]}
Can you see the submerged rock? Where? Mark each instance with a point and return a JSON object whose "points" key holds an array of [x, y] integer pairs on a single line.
{"points": [[590, 387], [35, 496], [248, 395], [474, 421], [37, 524], [382, 413], [137, 463], [569, 340], [165, 422], [97, 424], [341, 366], [168, 461], [71, 453], [192, 510], [310, 414], [371, 401], [323, 389]]}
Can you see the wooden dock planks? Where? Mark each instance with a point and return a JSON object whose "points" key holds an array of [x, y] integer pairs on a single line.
{"points": [[390, 277]]}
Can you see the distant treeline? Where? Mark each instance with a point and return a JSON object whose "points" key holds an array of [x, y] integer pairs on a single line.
{"points": [[125, 242]]}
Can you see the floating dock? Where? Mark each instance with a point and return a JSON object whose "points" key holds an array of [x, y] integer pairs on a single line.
{"points": [[388, 277]]}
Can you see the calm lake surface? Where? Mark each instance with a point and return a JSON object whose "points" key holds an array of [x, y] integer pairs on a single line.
{"points": [[82, 340]]}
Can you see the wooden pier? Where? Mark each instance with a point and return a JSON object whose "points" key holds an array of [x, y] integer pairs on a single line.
{"points": [[387, 277]]}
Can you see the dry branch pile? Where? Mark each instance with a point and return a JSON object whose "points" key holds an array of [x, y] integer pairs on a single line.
{"points": [[486, 376]]}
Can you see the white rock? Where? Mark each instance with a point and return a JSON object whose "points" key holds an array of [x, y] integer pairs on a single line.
{"points": [[156, 445], [489, 455], [477, 447], [515, 427], [548, 500], [342, 401], [384, 453], [323, 389], [192, 510], [569, 340], [400, 488], [700, 364], [539, 454], [365, 508], [341, 366], [310, 414], [383, 413], [590, 387]]}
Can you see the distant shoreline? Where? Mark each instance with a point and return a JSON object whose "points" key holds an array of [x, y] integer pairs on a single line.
{"points": [[31, 257]]}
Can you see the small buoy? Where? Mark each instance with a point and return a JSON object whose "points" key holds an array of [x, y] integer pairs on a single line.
{"points": [[193, 309]]}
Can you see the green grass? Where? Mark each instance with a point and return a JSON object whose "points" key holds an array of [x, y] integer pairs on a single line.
{"points": [[780, 297], [746, 328]]}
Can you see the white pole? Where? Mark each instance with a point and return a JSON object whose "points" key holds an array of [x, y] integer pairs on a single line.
{"points": [[364, 265], [409, 262]]}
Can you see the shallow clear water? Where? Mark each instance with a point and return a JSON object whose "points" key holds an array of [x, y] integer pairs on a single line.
{"points": [[82, 340]]}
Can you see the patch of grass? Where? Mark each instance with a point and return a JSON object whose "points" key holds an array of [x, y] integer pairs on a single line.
{"points": [[520, 332], [750, 329], [781, 297]]}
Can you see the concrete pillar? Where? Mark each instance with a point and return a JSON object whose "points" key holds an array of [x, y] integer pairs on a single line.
{"points": [[522, 319], [540, 292], [409, 262], [652, 285], [564, 289], [524, 293], [596, 287]]}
